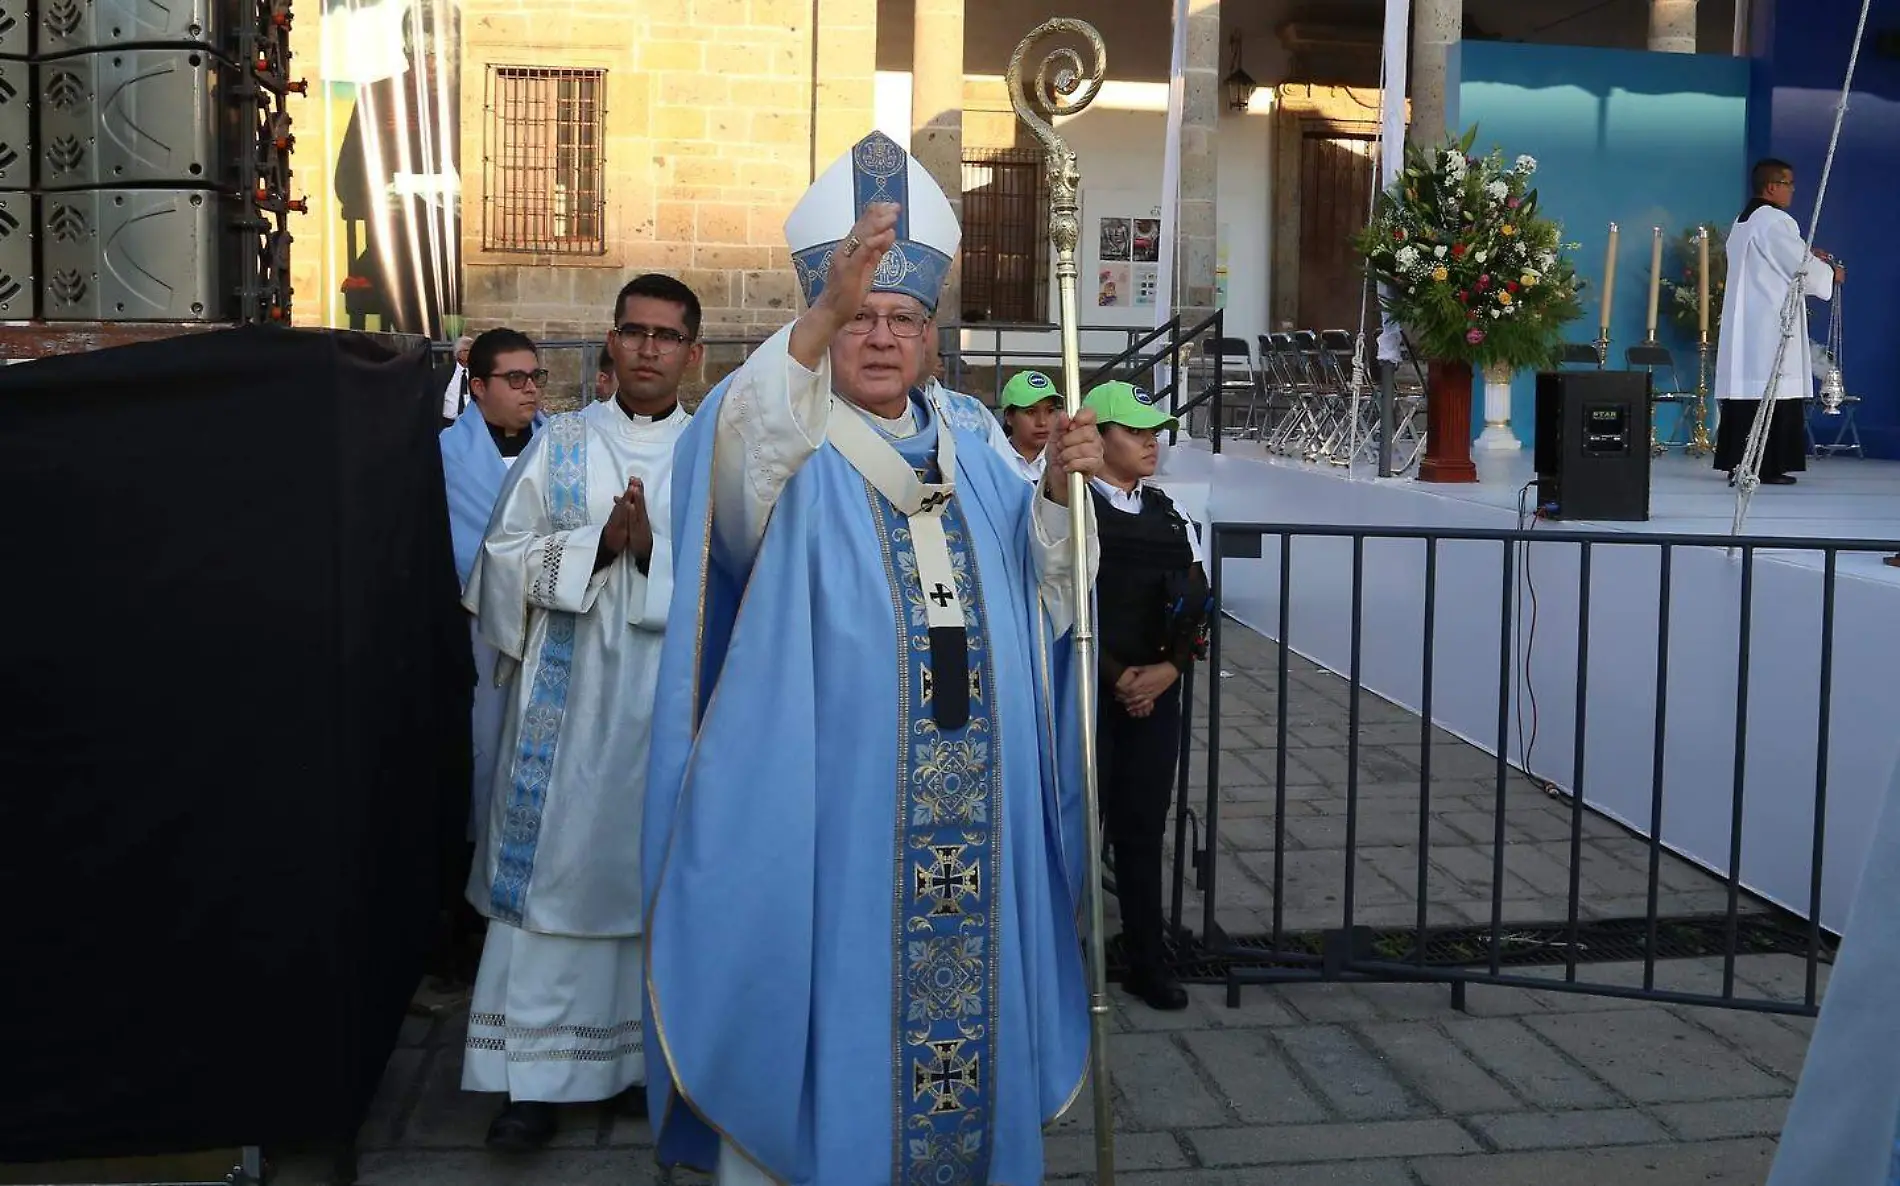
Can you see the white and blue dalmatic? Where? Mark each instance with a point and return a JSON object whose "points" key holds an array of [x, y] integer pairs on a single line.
{"points": [[863, 838]]}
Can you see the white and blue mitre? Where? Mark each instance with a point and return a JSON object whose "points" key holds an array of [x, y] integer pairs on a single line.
{"points": [[876, 170]]}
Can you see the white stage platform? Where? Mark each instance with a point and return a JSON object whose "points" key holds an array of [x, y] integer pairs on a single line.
{"points": [[1837, 498]]}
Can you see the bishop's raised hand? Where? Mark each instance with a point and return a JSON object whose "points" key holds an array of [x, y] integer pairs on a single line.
{"points": [[848, 280]]}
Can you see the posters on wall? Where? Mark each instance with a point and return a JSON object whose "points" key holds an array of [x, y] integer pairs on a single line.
{"points": [[1115, 243], [1127, 254]]}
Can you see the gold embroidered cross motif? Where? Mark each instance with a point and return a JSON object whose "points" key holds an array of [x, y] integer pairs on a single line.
{"points": [[944, 1075], [948, 880]]}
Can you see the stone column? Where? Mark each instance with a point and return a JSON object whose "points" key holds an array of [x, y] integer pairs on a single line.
{"points": [[1436, 27], [1195, 224], [936, 115], [1672, 26]]}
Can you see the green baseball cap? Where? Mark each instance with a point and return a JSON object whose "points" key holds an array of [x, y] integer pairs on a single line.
{"points": [[1026, 389], [1127, 405]]}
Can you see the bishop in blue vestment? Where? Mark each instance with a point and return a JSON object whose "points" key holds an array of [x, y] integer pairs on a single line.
{"points": [[863, 843]]}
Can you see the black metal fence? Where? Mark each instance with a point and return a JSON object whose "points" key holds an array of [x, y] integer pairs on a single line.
{"points": [[1499, 949]]}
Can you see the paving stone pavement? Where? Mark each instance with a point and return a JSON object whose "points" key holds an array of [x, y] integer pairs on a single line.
{"points": [[1326, 1084]]}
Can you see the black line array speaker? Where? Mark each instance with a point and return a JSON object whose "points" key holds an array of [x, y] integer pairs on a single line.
{"points": [[1593, 445], [144, 160]]}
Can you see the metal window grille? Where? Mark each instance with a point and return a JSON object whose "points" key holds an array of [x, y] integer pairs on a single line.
{"points": [[1005, 236], [544, 161]]}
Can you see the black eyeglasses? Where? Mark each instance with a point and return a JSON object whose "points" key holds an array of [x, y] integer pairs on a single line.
{"points": [[519, 380], [903, 325], [664, 341]]}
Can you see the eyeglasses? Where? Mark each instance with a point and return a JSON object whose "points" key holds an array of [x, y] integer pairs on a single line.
{"points": [[519, 380], [664, 341], [903, 325]]}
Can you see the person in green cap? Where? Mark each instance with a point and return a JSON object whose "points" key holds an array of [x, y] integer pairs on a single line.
{"points": [[1030, 403], [1153, 604]]}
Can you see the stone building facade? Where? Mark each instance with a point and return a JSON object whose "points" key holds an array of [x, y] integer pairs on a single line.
{"points": [[712, 125], [597, 142]]}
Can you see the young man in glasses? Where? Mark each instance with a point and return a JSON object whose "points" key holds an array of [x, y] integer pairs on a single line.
{"points": [[571, 587], [477, 452]]}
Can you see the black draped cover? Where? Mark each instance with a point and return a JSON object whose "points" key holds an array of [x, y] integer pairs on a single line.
{"points": [[234, 698]]}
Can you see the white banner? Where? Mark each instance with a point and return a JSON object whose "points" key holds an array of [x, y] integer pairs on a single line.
{"points": [[1171, 169], [1398, 14]]}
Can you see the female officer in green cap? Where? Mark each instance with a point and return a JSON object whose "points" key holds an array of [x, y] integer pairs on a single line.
{"points": [[1153, 599], [1029, 416]]}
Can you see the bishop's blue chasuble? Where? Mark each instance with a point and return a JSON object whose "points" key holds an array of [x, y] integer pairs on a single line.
{"points": [[863, 957]]}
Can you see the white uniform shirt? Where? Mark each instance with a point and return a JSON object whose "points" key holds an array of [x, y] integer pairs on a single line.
{"points": [[1129, 502], [1031, 470], [452, 394]]}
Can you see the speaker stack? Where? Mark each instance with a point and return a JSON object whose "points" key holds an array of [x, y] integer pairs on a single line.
{"points": [[145, 161], [1592, 450]]}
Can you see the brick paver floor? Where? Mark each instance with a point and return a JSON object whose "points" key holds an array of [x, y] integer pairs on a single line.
{"points": [[1327, 1083]]}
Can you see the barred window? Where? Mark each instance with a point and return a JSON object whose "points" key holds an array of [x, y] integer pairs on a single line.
{"points": [[543, 160], [1005, 236]]}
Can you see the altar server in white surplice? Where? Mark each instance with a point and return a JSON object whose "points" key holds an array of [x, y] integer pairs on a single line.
{"points": [[864, 828], [1765, 254], [572, 588]]}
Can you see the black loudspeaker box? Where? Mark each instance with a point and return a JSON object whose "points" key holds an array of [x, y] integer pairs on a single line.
{"points": [[1593, 445]]}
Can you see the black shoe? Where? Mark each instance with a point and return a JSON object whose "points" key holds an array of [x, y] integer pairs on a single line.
{"points": [[1783, 480], [632, 1102], [1731, 477], [523, 1127], [1156, 988]]}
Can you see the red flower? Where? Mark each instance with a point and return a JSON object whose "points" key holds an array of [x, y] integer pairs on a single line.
{"points": [[1510, 285], [1458, 249], [1464, 297], [1474, 336], [1399, 233]]}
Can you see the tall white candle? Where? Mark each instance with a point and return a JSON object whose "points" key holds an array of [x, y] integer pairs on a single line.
{"points": [[1655, 280], [1609, 280], [1702, 268]]}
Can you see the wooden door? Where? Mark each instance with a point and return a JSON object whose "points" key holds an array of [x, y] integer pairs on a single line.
{"points": [[1336, 182]]}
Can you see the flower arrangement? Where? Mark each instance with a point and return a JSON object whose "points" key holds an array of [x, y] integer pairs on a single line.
{"points": [[1683, 287], [1472, 271]]}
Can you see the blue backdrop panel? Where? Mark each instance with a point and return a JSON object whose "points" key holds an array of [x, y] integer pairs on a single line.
{"points": [[1801, 59], [1638, 139]]}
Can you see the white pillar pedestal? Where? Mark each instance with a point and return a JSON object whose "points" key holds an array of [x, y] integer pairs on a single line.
{"points": [[1497, 435]]}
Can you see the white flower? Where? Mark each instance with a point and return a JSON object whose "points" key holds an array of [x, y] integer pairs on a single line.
{"points": [[1495, 314], [1545, 260], [1526, 165], [1498, 190], [1408, 255], [1439, 251], [1481, 256]]}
